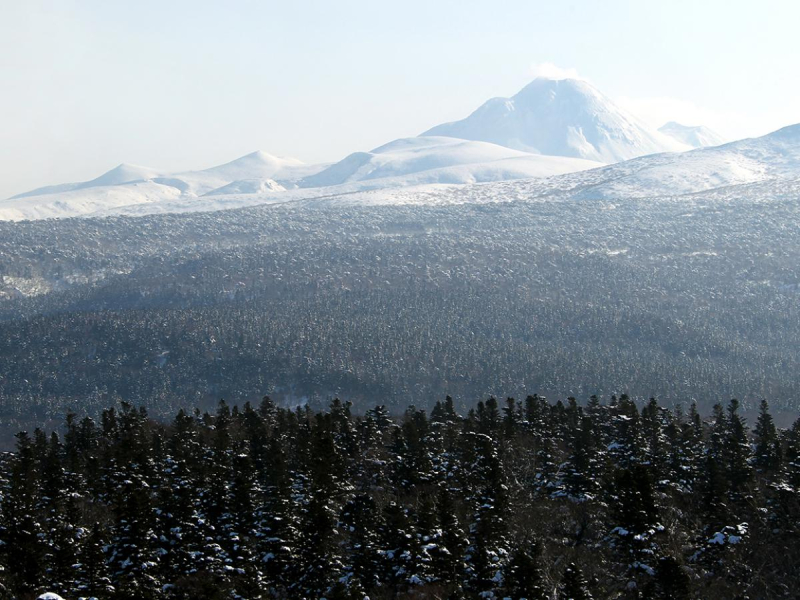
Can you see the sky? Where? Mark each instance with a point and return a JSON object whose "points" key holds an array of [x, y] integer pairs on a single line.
{"points": [[174, 85]]}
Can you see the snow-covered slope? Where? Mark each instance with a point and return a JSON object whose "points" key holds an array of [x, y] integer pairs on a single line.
{"points": [[426, 170], [768, 166], [123, 173], [257, 165], [260, 177], [84, 202], [430, 159], [248, 186], [129, 185], [773, 156], [696, 136], [561, 118]]}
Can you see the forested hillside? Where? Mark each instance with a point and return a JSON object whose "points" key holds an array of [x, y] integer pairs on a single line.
{"points": [[514, 499], [683, 299]]}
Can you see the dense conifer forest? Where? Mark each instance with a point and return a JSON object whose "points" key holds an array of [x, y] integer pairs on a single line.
{"points": [[514, 499], [680, 300]]}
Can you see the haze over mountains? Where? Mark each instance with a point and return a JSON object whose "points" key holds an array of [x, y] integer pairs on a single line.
{"points": [[554, 129], [697, 136]]}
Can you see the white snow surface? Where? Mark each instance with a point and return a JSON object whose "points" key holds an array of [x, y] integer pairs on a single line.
{"points": [[123, 173], [127, 186], [248, 186], [262, 178], [437, 170], [436, 159], [773, 156], [564, 117], [696, 136]]}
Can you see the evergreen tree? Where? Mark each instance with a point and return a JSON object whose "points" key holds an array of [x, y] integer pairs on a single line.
{"points": [[134, 559], [715, 480], [671, 581], [573, 585], [21, 530], [737, 450], [93, 578], [768, 449], [523, 578], [403, 566], [360, 520], [448, 555]]}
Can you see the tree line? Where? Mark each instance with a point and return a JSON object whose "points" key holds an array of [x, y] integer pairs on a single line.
{"points": [[520, 499]]}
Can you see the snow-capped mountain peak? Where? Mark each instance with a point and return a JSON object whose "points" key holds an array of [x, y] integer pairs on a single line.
{"points": [[123, 173], [566, 117], [258, 163]]}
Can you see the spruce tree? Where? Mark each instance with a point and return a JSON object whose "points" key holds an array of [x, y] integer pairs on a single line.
{"points": [[737, 451], [523, 575], [573, 585], [768, 449]]}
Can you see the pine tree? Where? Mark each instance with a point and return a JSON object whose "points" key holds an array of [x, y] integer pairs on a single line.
{"points": [[20, 526], [792, 437], [360, 519], [523, 575], [92, 578], [715, 480], [448, 556], [737, 450], [403, 566], [134, 560], [671, 581], [768, 449], [635, 504], [627, 446], [487, 533], [573, 585], [582, 471]]}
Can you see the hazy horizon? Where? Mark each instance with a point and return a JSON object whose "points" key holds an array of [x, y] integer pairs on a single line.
{"points": [[191, 85]]}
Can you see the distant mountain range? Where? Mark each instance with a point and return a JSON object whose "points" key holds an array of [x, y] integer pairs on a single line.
{"points": [[550, 129], [257, 165]]}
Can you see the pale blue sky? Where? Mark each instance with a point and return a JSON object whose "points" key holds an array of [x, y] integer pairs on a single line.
{"points": [[89, 84]]}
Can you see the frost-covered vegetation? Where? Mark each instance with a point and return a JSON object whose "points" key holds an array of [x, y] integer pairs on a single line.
{"points": [[514, 499], [688, 298]]}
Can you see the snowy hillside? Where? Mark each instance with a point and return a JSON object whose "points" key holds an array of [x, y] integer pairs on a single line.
{"points": [[248, 186], [130, 185], [260, 177], [753, 167], [423, 170], [768, 166], [696, 136], [123, 173], [255, 166], [773, 156], [430, 159], [561, 118]]}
